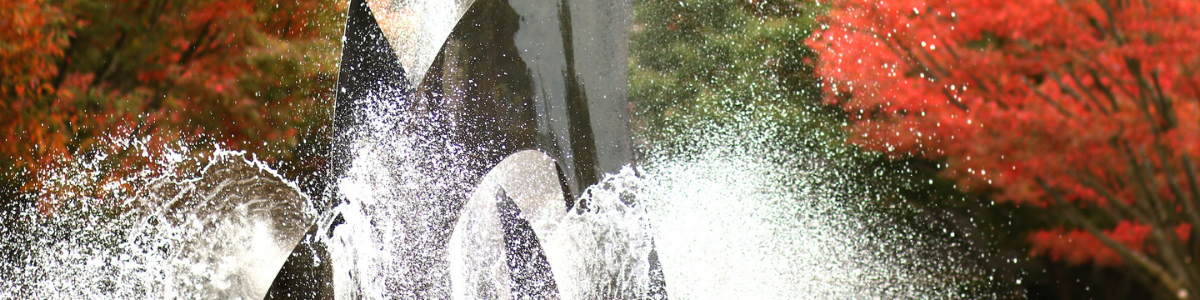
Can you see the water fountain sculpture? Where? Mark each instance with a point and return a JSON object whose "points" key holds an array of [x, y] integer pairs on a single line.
{"points": [[482, 124], [481, 149]]}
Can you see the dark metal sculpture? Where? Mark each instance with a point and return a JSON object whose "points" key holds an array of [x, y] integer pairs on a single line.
{"points": [[516, 74]]}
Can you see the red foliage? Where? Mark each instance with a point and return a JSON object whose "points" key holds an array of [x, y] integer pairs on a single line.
{"points": [[1079, 247], [1096, 98], [32, 38], [244, 73]]}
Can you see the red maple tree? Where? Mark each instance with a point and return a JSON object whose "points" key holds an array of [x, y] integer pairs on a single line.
{"points": [[1087, 107], [242, 73]]}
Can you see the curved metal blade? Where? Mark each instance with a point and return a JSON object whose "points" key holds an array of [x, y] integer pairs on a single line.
{"points": [[544, 74], [369, 66], [416, 29], [495, 250], [235, 225]]}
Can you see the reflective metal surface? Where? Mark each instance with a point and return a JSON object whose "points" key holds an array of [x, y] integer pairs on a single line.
{"points": [[511, 75]]}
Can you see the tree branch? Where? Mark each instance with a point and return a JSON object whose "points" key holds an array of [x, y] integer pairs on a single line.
{"points": [[65, 62], [1074, 93], [110, 58], [1136, 213], [1086, 90], [1168, 243], [1164, 103], [1190, 171], [1146, 95], [1190, 212], [1057, 107], [190, 53], [1137, 259]]}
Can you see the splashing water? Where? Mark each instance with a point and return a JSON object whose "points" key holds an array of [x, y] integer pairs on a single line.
{"points": [[210, 226], [735, 216], [395, 191], [599, 248], [610, 229], [730, 216], [728, 221]]}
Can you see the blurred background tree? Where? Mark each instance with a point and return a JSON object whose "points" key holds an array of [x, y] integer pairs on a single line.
{"points": [[1084, 112], [715, 61], [244, 74]]}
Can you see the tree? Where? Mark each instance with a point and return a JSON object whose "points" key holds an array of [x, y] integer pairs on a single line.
{"points": [[712, 61], [1088, 108], [245, 74]]}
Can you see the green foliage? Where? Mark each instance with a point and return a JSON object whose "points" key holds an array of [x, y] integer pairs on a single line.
{"points": [[722, 61], [702, 65]]}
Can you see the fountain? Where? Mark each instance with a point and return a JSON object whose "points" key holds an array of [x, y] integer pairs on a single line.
{"points": [[499, 140], [482, 149]]}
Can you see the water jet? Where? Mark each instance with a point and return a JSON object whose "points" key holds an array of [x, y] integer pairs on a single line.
{"points": [[501, 130]]}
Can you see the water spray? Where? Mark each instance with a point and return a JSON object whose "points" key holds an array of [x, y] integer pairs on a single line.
{"points": [[511, 112]]}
